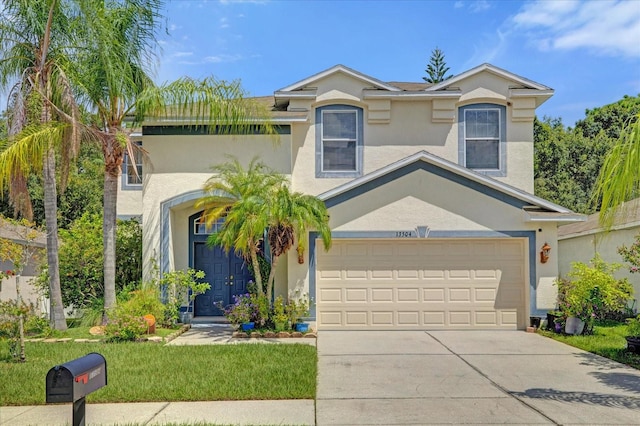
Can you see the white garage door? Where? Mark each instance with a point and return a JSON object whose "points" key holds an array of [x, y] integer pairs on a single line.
{"points": [[421, 284]]}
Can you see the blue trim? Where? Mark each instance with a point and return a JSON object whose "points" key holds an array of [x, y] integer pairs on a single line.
{"points": [[502, 172], [529, 235], [165, 221], [431, 168], [359, 143]]}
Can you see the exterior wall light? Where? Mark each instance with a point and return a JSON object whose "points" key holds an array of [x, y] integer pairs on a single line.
{"points": [[544, 253]]}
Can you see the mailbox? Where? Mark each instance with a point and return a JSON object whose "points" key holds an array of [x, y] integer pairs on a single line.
{"points": [[75, 379]]}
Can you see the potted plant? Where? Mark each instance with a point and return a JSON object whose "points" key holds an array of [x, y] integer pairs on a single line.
{"points": [[633, 334], [298, 308], [280, 316], [591, 292], [180, 286]]}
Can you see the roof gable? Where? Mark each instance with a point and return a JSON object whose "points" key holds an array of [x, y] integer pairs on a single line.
{"points": [[309, 81], [434, 164], [528, 84]]}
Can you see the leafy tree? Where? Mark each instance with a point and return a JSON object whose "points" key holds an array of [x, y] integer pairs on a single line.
{"points": [[81, 271], [437, 68], [34, 36], [610, 119]]}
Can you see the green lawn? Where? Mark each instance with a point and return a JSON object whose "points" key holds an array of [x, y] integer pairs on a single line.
{"points": [[608, 340], [139, 372]]}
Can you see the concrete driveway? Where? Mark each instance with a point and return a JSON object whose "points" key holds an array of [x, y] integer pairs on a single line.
{"points": [[468, 377]]}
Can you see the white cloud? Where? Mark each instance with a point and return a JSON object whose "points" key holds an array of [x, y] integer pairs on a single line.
{"points": [[224, 23], [610, 28], [479, 6], [182, 54], [214, 59], [475, 6]]}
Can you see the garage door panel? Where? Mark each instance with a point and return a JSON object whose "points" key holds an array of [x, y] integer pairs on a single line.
{"points": [[422, 284]]}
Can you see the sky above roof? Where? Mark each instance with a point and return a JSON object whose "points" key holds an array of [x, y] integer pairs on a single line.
{"points": [[587, 51]]}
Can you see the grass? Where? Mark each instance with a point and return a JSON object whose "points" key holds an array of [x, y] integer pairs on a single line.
{"points": [[138, 372], [607, 340]]}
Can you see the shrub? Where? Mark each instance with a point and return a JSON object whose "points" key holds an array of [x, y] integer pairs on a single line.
{"points": [[633, 326], [631, 255], [123, 325], [81, 260], [591, 292], [126, 321]]}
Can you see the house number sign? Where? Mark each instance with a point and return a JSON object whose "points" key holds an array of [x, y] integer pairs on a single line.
{"points": [[418, 232]]}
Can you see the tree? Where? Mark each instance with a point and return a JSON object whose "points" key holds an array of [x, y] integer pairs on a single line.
{"points": [[115, 60], [291, 214], [619, 179], [33, 39], [566, 164], [240, 197], [437, 68]]}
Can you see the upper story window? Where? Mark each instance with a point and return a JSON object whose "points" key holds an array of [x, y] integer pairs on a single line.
{"points": [[482, 138], [339, 143], [132, 169]]}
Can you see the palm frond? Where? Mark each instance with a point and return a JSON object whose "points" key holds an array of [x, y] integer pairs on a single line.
{"points": [[619, 178]]}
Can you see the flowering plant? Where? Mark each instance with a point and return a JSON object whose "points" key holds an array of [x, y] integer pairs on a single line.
{"points": [[299, 306], [631, 254], [246, 308]]}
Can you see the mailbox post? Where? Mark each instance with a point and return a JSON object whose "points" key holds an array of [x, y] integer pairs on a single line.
{"points": [[74, 380]]}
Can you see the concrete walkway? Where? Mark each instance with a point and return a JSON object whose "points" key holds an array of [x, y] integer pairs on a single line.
{"points": [[468, 377]]}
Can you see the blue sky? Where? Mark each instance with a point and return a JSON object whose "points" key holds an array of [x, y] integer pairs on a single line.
{"points": [[587, 51]]}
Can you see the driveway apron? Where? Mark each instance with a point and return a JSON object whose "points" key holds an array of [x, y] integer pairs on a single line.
{"points": [[468, 377]]}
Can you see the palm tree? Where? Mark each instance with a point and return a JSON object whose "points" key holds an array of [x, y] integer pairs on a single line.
{"points": [[619, 178], [114, 70], [33, 34], [290, 217], [240, 197]]}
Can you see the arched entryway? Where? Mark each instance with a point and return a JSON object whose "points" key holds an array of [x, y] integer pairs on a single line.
{"points": [[228, 274]]}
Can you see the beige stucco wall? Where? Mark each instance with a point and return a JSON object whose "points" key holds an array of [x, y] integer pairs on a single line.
{"points": [[582, 248], [424, 199], [410, 129]]}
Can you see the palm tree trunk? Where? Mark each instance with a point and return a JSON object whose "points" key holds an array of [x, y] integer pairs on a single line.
{"points": [[272, 277], [256, 271], [109, 239], [56, 310]]}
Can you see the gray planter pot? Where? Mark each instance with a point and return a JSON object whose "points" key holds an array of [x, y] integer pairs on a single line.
{"points": [[574, 326], [186, 317]]}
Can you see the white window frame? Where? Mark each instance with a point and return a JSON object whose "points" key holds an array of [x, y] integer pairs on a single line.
{"points": [[126, 184], [357, 112], [501, 170]]}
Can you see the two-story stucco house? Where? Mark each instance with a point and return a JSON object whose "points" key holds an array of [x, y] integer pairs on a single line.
{"points": [[429, 190]]}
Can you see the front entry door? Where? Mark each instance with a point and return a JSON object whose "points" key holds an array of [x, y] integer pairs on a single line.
{"points": [[228, 275]]}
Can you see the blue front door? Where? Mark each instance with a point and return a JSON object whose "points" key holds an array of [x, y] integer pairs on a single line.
{"points": [[227, 274]]}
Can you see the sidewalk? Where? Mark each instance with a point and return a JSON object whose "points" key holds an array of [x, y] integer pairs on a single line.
{"points": [[280, 412]]}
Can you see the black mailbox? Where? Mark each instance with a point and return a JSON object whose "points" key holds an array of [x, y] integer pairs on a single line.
{"points": [[75, 379]]}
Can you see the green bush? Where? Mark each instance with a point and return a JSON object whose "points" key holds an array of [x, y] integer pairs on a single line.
{"points": [[123, 325], [590, 292], [81, 260]]}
